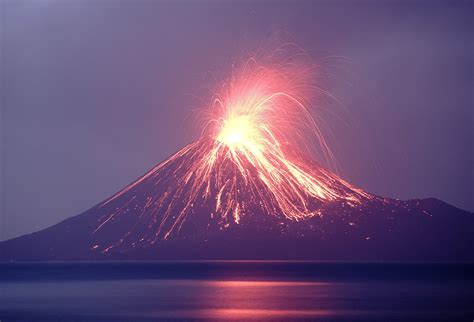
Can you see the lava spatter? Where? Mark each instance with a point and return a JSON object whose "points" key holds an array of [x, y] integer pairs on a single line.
{"points": [[240, 166]]}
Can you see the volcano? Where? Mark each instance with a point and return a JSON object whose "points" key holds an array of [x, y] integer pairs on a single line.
{"points": [[248, 188], [172, 213]]}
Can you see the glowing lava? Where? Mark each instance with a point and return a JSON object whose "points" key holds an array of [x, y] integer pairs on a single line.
{"points": [[238, 131], [248, 162]]}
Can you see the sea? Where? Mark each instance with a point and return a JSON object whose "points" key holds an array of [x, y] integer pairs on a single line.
{"points": [[236, 291]]}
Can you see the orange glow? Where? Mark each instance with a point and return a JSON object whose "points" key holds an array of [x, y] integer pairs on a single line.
{"points": [[258, 126], [238, 131], [258, 113]]}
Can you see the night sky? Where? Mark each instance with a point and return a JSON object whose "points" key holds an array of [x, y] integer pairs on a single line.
{"points": [[95, 93]]}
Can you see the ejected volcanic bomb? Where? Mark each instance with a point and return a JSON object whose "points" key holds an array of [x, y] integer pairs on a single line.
{"points": [[249, 188]]}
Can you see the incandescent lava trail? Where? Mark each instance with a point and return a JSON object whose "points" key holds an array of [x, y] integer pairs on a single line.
{"points": [[249, 159]]}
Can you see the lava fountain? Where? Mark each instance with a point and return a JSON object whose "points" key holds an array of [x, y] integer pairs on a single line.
{"points": [[250, 158]]}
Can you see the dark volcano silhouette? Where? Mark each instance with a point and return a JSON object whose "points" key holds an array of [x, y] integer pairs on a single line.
{"points": [[153, 219]]}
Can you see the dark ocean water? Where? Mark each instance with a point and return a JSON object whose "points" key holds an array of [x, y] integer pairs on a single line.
{"points": [[237, 291]]}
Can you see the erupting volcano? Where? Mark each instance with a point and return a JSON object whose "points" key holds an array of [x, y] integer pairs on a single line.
{"points": [[242, 167], [249, 188]]}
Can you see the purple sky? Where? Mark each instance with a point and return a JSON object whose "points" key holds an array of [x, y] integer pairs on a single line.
{"points": [[95, 93]]}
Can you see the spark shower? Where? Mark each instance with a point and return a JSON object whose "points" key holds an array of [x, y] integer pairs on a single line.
{"points": [[253, 152]]}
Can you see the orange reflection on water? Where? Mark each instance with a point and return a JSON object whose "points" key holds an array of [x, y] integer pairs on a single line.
{"points": [[266, 300]]}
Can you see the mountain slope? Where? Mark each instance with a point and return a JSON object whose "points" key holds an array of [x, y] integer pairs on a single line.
{"points": [[188, 208]]}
